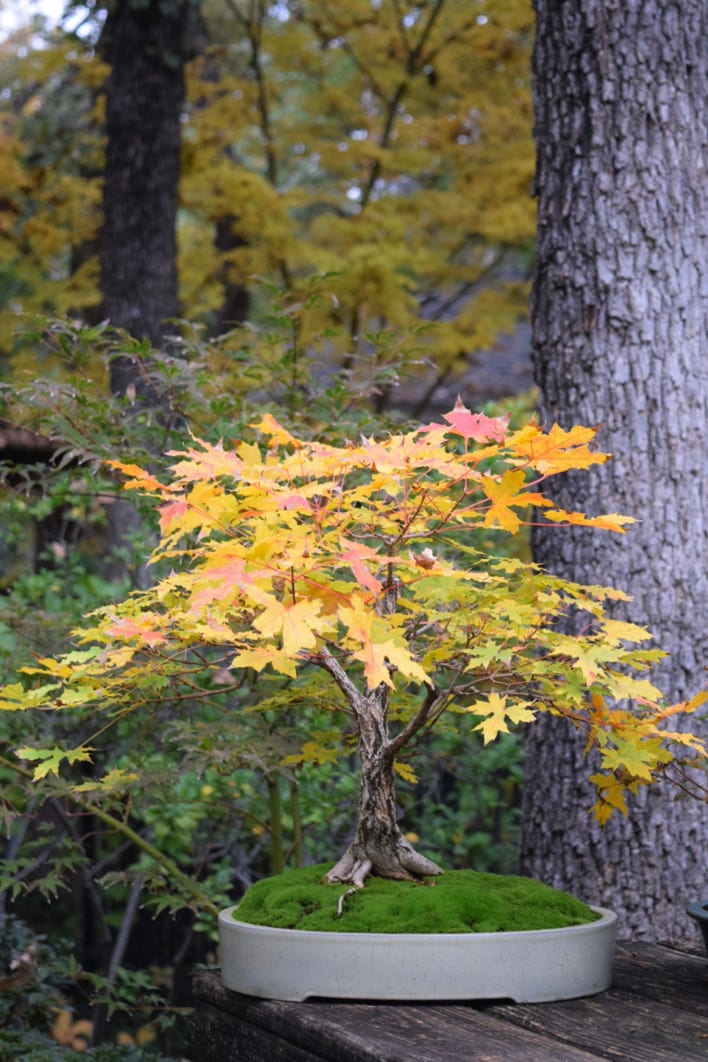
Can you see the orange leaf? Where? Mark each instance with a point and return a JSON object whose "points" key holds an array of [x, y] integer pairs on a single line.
{"points": [[503, 494], [556, 450], [608, 521]]}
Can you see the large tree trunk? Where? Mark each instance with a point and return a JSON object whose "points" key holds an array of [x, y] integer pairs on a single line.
{"points": [[620, 314], [145, 47]]}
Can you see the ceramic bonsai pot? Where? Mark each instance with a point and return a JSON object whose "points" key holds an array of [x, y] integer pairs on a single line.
{"points": [[699, 912], [534, 966]]}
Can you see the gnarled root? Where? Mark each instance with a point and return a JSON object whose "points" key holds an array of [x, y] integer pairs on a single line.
{"points": [[399, 862]]}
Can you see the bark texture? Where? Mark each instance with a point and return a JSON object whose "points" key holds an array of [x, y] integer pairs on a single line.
{"points": [[378, 847], [620, 323], [145, 45]]}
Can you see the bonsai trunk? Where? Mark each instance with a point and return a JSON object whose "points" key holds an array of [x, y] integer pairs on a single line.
{"points": [[378, 847]]}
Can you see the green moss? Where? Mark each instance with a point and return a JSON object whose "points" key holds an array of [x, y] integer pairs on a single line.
{"points": [[460, 901]]}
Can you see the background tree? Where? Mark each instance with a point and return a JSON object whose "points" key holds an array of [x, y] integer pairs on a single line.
{"points": [[620, 317], [357, 142], [145, 46]]}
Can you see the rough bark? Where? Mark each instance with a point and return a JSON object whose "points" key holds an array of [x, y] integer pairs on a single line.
{"points": [[145, 45], [378, 847], [620, 316]]}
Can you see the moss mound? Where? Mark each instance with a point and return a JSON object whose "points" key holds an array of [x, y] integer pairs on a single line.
{"points": [[460, 901]]}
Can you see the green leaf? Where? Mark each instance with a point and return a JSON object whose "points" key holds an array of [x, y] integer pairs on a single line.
{"points": [[52, 758]]}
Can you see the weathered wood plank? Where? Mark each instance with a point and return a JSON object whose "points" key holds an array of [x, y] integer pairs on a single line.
{"points": [[656, 1011], [229, 1026], [677, 978], [616, 1025]]}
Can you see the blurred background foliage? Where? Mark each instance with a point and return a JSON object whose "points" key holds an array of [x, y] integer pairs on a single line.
{"points": [[355, 229]]}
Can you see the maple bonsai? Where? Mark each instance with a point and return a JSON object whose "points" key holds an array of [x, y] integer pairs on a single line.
{"points": [[364, 561]]}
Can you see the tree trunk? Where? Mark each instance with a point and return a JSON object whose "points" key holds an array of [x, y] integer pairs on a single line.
{"points": [[378, 847], [145, 47], [620, 314]]}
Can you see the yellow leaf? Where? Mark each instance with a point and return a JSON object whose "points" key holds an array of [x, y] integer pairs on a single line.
{"points": [[556, 450], [311, 752], [608, 522], [298, 624], [503, 494], [118, 778], [611, 793], [259, 658], [406, 772], [497, 711], [618, 631], [279, 436]]}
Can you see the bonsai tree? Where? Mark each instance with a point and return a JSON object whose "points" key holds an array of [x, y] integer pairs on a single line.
{"points": [[366, 561]]}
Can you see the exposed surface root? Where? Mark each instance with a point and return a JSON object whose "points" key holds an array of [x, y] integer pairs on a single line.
{"points": [[400, 862]]}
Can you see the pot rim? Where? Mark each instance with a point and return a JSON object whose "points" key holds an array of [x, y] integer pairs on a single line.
{"points": [[607, 918]]}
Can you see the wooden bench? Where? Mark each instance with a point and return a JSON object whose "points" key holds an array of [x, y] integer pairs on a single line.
{"points": [[656, 1010]]}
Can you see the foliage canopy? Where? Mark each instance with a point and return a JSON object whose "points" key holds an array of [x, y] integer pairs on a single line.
{"points": [[355, 560]]}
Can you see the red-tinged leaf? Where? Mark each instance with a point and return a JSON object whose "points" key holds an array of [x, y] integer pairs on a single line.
{"points": [[142, 628], [207, 464], [224, 580], [294, 501], [476, 426], [355, 554], [171, 514]]}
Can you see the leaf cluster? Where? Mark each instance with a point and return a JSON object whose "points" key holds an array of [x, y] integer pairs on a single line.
{"points": [[303, 557]]}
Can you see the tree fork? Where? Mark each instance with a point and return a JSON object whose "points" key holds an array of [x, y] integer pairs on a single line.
{"points": [[378, 847]]}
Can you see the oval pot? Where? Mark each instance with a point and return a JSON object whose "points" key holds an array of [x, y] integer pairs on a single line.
{"points": [[699, 912], [535, 966]]}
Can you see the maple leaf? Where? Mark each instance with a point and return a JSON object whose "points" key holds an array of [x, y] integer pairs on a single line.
{"points": [[50, 759], [299, 624], [476, 425], [588, 658], [207, 464], [263, 656], [172, 514], [312, 752], [117, 778], [608, 521], [279, 435], [504, 493], [498, 711], [142, 628], [138, 478], [620, 631], [355, 554], [556, 450], [379, 651], [634, 755], [15, 698], [611, 796], [406, 772]]}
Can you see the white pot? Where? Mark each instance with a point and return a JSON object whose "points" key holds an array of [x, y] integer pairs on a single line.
{"points": [[534, 966]]}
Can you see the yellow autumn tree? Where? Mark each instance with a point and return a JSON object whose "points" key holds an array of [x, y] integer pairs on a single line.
{"points": [[50, 166], [386, 145]]}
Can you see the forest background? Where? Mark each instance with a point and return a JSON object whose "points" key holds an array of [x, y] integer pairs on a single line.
{"points": [[355, 231]]}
